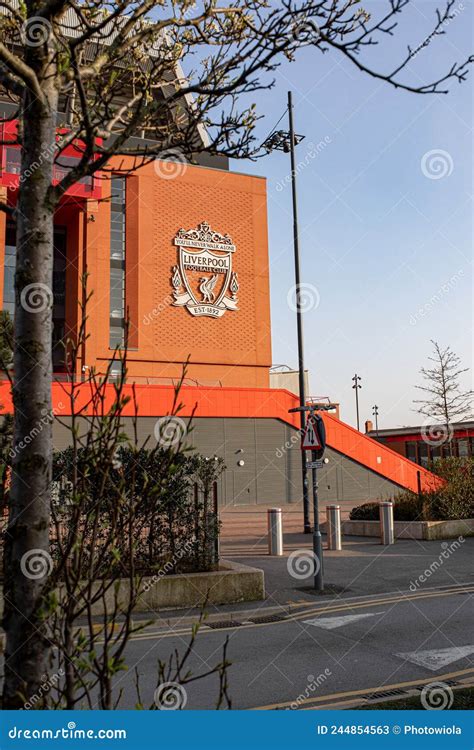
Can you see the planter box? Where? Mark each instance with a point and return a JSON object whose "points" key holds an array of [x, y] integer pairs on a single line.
{"points": [[231, 583], [427, 530]]}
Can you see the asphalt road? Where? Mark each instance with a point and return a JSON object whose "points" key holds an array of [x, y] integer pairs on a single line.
{"points": [[327, 654]]}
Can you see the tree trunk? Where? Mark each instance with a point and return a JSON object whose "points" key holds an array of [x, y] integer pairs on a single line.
{"points": [[27, 559]]}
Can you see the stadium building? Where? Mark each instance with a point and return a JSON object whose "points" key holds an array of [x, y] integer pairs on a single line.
{"points": [[183, 250]]}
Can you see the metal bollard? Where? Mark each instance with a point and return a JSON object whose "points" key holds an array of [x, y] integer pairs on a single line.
{"points": [[275, 532], [333, 519], [387, 534]]}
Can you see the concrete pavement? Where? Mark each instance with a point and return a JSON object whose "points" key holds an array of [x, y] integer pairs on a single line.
{"points": [[362, 568], [393, 619], [330, 654]]}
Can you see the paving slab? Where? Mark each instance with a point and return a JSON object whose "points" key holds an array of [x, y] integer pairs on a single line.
{"points": [[363, 568]]}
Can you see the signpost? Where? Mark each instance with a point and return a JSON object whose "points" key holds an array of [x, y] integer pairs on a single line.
{"points": [[318, 464], [314, 439]]}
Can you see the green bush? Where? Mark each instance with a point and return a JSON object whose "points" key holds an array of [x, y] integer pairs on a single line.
{"points": [[453, 500], [175, 528], [456, 498], [366, 512], [407, 507]]}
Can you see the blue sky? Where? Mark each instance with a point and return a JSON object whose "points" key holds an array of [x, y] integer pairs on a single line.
{"points": [[386, 247]]}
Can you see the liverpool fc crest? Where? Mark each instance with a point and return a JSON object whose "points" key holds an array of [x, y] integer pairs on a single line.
{"points": [[203, 281]]}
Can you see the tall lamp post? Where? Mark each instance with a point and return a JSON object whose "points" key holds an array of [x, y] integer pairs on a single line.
{"points": [[356, 379], [286, 140], [375, 412]]}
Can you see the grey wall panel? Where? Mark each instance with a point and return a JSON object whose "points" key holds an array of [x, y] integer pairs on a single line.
{"points": [[293, 465], [244, 491], [271, 474], [341, 480]]}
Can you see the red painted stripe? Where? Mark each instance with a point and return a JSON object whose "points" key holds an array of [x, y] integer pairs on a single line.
{"points": [[269, 403], [376, 456]]}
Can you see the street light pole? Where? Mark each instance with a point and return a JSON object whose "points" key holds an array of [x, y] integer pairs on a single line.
{"points": [[286, 141], [356, 385], [299, 316], [375, 412]]}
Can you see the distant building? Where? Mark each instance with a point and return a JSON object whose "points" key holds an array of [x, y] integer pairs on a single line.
{"points": [[427, 443], [282, 376]]}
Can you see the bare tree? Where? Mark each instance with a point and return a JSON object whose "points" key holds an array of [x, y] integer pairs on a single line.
{"points": [[105, 487], [113, 70], [446, 401]]}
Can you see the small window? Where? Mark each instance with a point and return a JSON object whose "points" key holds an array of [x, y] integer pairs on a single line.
{"points": [[117, 263], [463, 448], [423, 457], [410, 448]]}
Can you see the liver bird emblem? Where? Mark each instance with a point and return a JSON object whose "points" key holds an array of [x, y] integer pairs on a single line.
{"points": [[206, 287]]}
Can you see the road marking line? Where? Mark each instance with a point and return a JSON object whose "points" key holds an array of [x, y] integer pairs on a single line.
{"points": [[329, 623], [186, 630], [363, 691], [437, 658]]}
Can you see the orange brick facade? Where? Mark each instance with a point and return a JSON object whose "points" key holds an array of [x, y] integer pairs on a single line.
{"points": [[232, 350]]}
